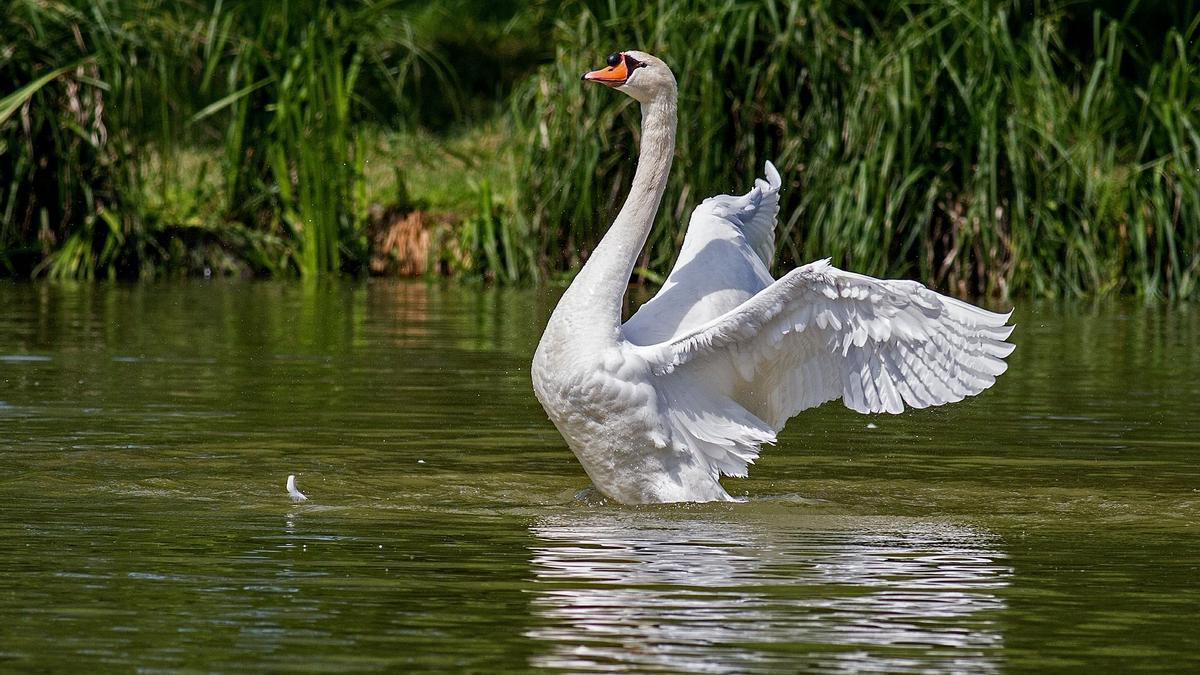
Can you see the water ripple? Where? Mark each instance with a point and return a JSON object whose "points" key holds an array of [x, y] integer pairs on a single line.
{"points": [[721, 596]]}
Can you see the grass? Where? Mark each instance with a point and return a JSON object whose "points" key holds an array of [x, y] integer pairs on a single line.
{"points": [[961, 142], [60, 178], [442, 171], [143, 84], [285, 81], [995, 147]]}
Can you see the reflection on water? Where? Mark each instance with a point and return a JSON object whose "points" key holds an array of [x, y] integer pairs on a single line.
{"points": [[653, 591]]}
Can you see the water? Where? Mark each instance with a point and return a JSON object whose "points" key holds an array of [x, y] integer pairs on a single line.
{"points": [[146, 433]]}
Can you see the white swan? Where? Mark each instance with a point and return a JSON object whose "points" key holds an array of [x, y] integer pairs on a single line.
{"points": [[658, 408]]}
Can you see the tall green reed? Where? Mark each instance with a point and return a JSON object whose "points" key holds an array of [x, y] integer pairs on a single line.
{"points": [[964, 142], [86, 157], [286, 83], [293, 152], [62, 179], [90, 158]]}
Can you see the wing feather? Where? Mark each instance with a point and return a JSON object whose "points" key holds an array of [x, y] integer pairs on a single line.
{"points": [[819, 334], [725, 259], [734, 355]]}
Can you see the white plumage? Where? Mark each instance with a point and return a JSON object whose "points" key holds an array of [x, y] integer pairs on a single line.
{"points": [[658, 408], [293, 492]]}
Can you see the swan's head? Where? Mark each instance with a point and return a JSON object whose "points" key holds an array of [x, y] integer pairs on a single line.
{"points": [[638, 74]]}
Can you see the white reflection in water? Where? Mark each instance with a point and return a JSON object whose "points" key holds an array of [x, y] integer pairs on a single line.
{"points": [[650, 590]]}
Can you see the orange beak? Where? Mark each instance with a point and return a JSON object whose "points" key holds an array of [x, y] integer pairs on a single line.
{"points": [[613, 76]]}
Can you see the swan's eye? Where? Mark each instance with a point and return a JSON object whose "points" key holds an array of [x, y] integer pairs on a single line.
{"points": [[631, 63], [613, 59]]}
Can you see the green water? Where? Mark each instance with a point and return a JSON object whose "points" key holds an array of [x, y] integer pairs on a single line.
{"points": [[146, 433]]}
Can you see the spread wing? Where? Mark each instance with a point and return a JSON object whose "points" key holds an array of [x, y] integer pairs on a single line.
{"points": [[819, 334], [725, 259]]}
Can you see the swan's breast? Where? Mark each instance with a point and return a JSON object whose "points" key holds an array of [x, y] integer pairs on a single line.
{"points": [[597, 399], [607, 406]]}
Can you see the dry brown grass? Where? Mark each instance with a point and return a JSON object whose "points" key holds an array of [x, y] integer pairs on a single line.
{"points": [[412, 243]]}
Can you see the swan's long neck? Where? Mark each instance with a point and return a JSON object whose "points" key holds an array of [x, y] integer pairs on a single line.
{"points": [[596, 295]]}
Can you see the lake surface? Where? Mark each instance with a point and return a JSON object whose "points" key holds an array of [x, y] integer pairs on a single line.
{"points": [[146, 433]]}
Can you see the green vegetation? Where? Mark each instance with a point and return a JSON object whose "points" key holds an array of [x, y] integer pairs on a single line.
{"points": [[959, 142], [173, 136], [997, 147]]}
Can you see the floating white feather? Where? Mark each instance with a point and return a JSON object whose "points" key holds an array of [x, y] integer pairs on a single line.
{"points": [[296, 495]]}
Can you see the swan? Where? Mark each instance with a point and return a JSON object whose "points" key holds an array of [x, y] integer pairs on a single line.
{"points": [[659, 407]]}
